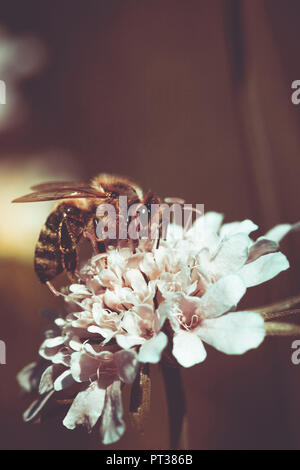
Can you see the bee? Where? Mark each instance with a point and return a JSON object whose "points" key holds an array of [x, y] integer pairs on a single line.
{"points": [[56, 250]]}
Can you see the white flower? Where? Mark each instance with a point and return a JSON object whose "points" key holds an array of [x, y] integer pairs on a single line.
{"points": [[130, 303], [76, 357], [223, 261]]}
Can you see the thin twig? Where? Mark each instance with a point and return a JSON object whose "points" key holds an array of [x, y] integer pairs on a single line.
{"points": [[286, 304], [282, 329], [286, 313]]}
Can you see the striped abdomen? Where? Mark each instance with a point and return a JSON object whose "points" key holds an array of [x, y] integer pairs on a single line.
{"points": [[48, 262]]}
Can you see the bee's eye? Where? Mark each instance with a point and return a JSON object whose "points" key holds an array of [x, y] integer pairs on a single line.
{"points": [[72, 210]]}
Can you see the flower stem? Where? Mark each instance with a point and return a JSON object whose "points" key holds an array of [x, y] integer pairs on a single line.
{"points": [[286, 304], [176, 405], [285, 313], [140, 398], [282, 329]]}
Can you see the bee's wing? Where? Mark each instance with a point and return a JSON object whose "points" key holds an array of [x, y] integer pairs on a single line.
{"points": [[57, 192], [50, 185]]}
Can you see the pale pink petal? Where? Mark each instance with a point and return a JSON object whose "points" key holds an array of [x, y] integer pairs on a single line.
{"points": [[204, 231], [37, 406], [261, 247], [86, 408], [79, 289], [151, 350], [83, 366], [246, 226], [264, 268], [108, 278], [112, 424], [97, 310], [187, 306], [232, 254], [163, 313], [278, 232], [117, 298], [234, 333], [104, 332], [222, 296], [212, 220], [149, 267], [64, 381], [75, 344], [49, 376], [130, 323], [135, 279], [29, 377], [112, 300], [188, 349], [174, 232], [126, 341], [144, 312], [53, 342], [127, 365], [54, 353]]}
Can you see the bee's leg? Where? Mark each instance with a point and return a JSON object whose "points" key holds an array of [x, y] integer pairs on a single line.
{"points": [[98, 244], [52, 288], [92, 239], [68, 248], [70, 261], [158, 242]]}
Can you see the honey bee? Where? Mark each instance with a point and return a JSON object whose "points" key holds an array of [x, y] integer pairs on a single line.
{"points": [[56, 250]]}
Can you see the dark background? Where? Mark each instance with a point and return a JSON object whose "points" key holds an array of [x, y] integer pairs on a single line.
{"points": [[193, 99]]}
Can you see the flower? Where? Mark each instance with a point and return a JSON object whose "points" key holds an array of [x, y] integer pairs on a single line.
{"points": [[219, 263], [134, 304]]}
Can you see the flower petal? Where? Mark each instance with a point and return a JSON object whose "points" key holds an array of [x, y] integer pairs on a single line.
{"points": [[83, 366], [174, 232], [188, 349], [49, 376], [127, 365], [79, 289], [263, 269], [232, 254], [278, 232], [246, 226], [149, 266], [213, 220], [126, 341], [29, 377], [151, 350], [261, 247], [234, 333], [222, 296], [86, 407], [37, 406], [64, 381], [112, 424], [135, 279]]}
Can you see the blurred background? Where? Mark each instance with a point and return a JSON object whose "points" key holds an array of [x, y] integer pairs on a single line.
{"points": [[192, 99]]}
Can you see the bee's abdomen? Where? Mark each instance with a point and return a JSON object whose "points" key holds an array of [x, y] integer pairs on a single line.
{"points": [[47, 262]]}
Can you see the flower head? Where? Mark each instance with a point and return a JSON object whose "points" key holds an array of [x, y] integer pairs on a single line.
{"points": [[130, 303]]}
